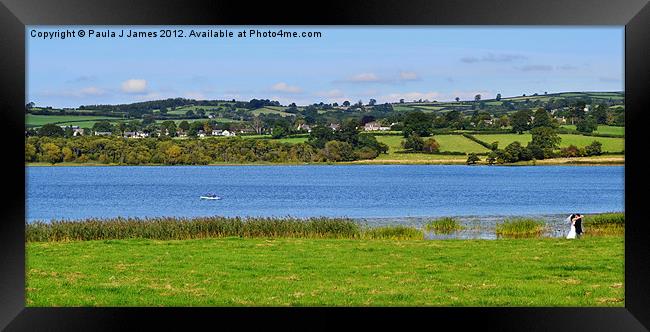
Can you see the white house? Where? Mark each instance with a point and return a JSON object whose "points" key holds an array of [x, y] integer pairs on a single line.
{"points": [[217, 132], [228, 133], [335, 126], [374, 126], [103, 133], [304, 126]]}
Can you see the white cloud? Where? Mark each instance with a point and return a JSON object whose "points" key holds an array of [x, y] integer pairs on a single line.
{"points": [[134, 86], [91, 91], [408, 76], [286, 88], [364, 77]]}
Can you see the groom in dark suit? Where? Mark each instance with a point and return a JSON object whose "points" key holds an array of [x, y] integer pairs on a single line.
{"points": [[578, 225]]}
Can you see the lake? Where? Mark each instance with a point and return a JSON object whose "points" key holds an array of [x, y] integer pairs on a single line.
{"points": [[374, 192]]}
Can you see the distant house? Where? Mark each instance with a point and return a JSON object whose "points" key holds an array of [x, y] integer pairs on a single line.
{"points": [[335, 126], [103, 133], [217, 132], [77, 132], [142, 134], [227, 133], [128, 134], [561, 120], [374, 126], [305, 127]]}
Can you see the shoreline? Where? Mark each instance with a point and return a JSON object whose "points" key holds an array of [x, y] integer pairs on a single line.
{"points": [[580, 161]]}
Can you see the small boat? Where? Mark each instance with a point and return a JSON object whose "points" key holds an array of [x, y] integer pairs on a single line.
{"points": [[210, 196]]}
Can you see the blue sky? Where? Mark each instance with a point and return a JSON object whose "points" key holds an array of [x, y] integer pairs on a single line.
{"points": [[346, 63]]}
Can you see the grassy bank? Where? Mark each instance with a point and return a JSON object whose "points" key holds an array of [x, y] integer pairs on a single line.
{"points": [[340, 272]]}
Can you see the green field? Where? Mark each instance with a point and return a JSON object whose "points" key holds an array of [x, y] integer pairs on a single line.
{"points": [[32, 120], [269, 110], [324, 272], [451, 143], [602, 129], [610, 144]]}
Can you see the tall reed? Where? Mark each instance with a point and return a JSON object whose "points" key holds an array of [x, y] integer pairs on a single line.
{"points": [[520, 227], [444, 225], [172, 228], [604, 224]]}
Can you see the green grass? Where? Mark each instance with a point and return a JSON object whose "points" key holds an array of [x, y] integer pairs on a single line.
{"points": [[326, 272], [520, 227], [448, 143], [267, 110], [32, 120], [602, 129], [610, 144], [444, 225]]}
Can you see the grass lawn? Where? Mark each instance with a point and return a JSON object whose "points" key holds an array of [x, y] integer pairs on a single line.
{"points": [[452, 143], [610, 144], [602, 129], [316, 272]]}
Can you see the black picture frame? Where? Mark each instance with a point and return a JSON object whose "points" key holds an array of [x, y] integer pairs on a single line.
{"points": [[16, 14]]}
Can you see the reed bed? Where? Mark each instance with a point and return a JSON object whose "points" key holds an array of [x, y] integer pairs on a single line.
{"points": [[393, 233], [520, 227], [171, 228], [444, 225], [605, 224]]}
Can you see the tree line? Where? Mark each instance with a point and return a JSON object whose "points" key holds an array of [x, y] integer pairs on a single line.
{"points": [[325, 145]]}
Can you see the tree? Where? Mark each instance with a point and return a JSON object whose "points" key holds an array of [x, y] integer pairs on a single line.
{"points": [[472, 159], [346, 103], [431, 146], [514, 152], [593, 149], [413, 143], [545, 137], [372, 102], [541, 119], [498, 97], [477, 97], [51, 153], [184, 125], [417, 122], [51, 130], [319, 136], [401, 101], [587, 125], [457, 99], [104, 126], [338, 151], [521, 121], [570, 151], [600, 114], [279, 132]]}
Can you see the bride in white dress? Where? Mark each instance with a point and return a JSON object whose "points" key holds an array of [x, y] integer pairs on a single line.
{"points": [[572, 233]]}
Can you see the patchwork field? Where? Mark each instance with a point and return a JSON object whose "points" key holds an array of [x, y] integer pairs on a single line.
{"points": [[610, 144], [32, 120], [448, 143], [602, 129]]}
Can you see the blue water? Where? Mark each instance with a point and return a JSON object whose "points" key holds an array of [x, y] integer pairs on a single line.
{"points": [[371, 191]]}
